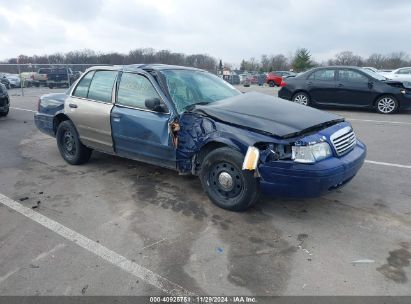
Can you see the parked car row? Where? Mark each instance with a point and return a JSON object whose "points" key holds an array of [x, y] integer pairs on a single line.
{"points": [[347, 87], [50, 77]]}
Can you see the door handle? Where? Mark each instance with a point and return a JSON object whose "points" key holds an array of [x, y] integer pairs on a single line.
{"points": [[116, 117], [340, 85], [72, 105], [309, 83]]}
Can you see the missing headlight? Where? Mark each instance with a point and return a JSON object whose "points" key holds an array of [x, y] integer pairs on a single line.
{"points": [[274, 152]]}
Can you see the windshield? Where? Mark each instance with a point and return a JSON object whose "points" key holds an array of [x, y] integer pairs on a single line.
{"points": [[188, 88], [373, 74]]}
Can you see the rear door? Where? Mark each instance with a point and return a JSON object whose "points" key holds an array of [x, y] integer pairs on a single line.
{"points": [[354, 88], [321, 86], [90, 106], [139, 132]]}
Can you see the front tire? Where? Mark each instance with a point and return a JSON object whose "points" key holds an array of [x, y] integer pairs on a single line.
{"points": [[386, 104], [302, 98], [70, 146], [226, 184], [271, 83]]}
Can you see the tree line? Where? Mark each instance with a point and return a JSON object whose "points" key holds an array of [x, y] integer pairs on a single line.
{"points": [[90, 57], [302, 60], [299, 61]]}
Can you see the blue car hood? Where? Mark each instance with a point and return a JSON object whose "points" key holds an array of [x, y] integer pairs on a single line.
{"points": [[268, 114]]}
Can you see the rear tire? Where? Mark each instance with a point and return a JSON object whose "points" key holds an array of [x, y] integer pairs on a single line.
{"points": [[225, 183], [386, 104], [301, 98], [70, 146], [271, 83]]}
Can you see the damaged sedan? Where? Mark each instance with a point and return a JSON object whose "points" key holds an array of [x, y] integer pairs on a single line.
{"points": [[193, 122]]}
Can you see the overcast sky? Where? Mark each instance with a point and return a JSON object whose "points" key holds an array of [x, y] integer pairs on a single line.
{"points": [[226, 29]]}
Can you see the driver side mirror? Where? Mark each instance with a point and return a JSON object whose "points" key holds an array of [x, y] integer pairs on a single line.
{"points": [[154, 104]]}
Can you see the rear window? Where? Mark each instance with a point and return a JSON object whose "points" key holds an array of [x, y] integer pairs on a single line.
{"points": [[83, 86], [101, 87], [322, 75]]}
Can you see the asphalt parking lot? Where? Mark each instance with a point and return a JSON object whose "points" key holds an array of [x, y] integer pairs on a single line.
{"points": [[120, 227]]}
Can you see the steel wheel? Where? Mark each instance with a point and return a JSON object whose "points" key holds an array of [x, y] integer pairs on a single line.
{"points": [[386, 105], [225, 180], [69, 144], [302, 99]]}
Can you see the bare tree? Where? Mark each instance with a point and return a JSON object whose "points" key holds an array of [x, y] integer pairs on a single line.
{"points": [[346, 58], [278, 63]]}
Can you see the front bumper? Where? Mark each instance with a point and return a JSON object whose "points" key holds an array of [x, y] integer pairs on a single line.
{"points": [[290, 179], [44, 123]]}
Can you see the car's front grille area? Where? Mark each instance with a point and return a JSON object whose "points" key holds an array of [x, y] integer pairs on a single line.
{"points": [[343, 140]]}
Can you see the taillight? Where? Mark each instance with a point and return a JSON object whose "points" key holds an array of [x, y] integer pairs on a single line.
{"points": [[283, 83]]}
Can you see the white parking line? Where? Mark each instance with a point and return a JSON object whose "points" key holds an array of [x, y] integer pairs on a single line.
{"points": [[381, 121], [387, 164], [110, 256], [27, 110]]}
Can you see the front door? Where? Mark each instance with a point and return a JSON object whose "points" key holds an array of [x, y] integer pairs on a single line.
{"points": [[90, 106], [354, 88], [139, 132]]}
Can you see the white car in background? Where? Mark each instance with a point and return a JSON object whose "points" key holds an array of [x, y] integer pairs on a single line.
{"points": [[401, 74]]}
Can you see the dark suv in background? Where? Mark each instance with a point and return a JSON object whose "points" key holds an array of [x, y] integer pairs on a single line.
{"points": [[4, 101]]}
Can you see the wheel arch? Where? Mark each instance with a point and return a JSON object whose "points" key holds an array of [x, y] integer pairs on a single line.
{"points": [[301, 91], [206, 148], [58, 119]]}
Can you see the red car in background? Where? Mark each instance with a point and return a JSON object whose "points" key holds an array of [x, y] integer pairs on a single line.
{"points": [[275, 78]]}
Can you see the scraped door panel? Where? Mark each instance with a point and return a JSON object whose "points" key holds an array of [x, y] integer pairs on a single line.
{"points": [[92, 120]]}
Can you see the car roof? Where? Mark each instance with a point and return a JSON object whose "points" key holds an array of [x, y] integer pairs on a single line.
{"points": [[146, 67]]}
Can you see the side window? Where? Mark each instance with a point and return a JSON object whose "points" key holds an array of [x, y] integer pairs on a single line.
{"points": [[101, 86], [82, 87], [134, 90], [353, 76], [322, 75], [404, 71]]}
